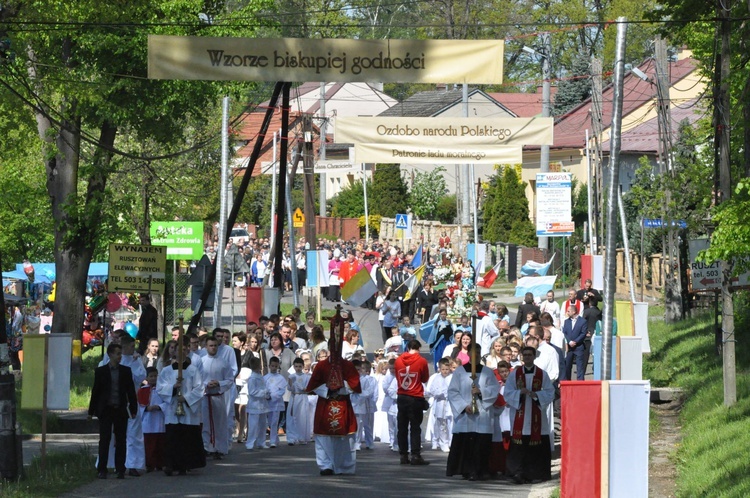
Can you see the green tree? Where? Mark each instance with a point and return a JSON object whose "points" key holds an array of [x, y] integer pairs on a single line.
{"points": [[574, 90], [506, 219], [446, 210], [426, 191], [350, 202], [85, 83], [389, 194]]}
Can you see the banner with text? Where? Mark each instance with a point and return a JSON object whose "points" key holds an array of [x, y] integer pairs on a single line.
{"points": [[340, 60], [184, 239], [436, 131], [443, 154], [553, 205], [136, 268]]}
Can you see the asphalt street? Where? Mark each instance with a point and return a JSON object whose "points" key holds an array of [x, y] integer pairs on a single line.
{"points": [[291, 471]]}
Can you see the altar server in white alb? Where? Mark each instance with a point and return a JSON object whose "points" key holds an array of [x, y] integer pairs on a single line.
{"points": [[257, 406], [217, 382], [365, 406], [181, 387], [441, 416], [276, 385], [298, 420], [151, 410], [135, 458]]}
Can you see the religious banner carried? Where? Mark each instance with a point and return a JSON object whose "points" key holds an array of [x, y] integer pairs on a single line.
{"points": [[341, 60], [443, 154], [439, 131]]}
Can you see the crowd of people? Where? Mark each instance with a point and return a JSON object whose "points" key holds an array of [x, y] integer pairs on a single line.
{"points": [[489, 401]]}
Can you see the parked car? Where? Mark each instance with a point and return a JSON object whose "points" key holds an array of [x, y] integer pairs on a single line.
{"points": [[239, 236]]}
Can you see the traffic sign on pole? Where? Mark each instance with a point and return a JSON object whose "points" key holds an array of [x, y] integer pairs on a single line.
{"points": [[402, 222]]}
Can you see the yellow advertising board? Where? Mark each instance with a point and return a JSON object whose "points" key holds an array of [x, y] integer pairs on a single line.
{"points": [[443, 154], [136, 268], [340, 60], [439, 131]]}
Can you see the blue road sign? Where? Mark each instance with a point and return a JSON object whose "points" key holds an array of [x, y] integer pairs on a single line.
{"points": [[402, 222], [659, 223]]}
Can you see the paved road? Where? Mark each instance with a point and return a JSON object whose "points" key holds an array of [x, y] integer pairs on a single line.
{"points": [[291, 471]]}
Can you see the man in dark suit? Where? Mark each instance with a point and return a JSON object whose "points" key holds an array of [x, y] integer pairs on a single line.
{"points": [[112, 400], [574, 330], [147, 323]]}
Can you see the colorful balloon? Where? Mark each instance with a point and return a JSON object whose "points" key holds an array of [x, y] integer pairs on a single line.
{"points": [[131, 329]]}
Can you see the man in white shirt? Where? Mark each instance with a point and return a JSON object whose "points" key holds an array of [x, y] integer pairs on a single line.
{"points": [[552, 307]]}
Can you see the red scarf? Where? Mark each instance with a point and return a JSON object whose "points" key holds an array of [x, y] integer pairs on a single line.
{"points": [[536, 411]]}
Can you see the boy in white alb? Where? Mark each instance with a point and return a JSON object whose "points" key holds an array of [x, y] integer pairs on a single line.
{"points": [[441, 416], [390, 387], [298, 412], [151, 410], [257, 406], [365, 405], [276, 385]]}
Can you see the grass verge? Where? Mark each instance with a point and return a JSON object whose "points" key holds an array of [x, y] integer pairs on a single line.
{"points": [[64, 472], [712, 459]]}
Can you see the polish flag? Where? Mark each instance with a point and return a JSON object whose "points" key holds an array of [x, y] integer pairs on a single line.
{"points": [[489, 278]]}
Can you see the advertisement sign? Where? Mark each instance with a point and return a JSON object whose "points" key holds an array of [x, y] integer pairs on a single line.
{"points": [[553, 205], [442, 154], [135, 268], [183, 239], [708, 277], [340, 60], [438, 131]]}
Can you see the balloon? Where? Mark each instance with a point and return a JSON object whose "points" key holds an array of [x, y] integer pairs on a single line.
{"points": [[113, 302], [131, 329]]}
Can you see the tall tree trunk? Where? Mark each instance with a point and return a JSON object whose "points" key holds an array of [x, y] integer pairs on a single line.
{"points": [[75, 219]]}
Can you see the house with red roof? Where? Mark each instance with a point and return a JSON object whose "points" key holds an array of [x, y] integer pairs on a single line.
{"points": [[639, 124]]}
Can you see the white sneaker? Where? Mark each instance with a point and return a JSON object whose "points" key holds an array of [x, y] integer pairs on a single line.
{"points": [[272, 445]]}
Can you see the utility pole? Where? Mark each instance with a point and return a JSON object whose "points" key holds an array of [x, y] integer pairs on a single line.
{"points": [[223, 211], [610, 257], [543, 242], [308, 165], [322, 155], [465, 171], [8, 443], [278, 272], [673, 310], [597, 127], [722, 121]]}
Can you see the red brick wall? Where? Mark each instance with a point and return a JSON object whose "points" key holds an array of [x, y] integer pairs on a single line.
{"points": [[343, 228]]}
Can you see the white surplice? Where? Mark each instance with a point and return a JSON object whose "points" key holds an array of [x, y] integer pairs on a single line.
{"points": [[513, 399], [440, 421], [191, 390], [459, 398], [215, 419]]}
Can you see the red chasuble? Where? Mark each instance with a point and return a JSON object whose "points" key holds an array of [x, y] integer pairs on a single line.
{"points": [[334, 415]]}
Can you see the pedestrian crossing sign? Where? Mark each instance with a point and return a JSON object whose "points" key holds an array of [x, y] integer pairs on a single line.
{"points": [[402, 222]]}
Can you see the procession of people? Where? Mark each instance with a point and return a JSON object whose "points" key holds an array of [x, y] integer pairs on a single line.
{"points": [[487, 399]]}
